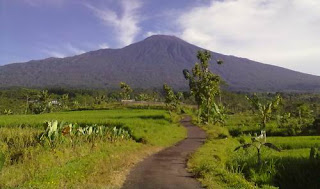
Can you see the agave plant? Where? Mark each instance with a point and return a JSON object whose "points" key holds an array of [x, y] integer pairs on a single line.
{"points": [[258, 142]]}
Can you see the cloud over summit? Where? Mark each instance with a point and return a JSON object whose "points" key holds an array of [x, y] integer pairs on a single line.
{"points": [[124, 24], [280, 32]]}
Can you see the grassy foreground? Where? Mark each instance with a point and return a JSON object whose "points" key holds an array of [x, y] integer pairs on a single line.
{"points": [[97, 164], [217, 165], [209, 163]]}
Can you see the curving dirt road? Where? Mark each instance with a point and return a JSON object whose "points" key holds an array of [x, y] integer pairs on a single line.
{"points": [[167, 169]]}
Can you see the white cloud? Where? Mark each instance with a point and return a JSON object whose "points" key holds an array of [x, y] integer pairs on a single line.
{"points": [[164, 32], [280, 32], [74, 50], [150, 33], [62, 51], [126, 24], [103, 46], [53, 53]]}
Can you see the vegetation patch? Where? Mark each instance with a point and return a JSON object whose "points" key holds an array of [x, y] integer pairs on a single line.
{"points": [[209, 163], [90, 149]]}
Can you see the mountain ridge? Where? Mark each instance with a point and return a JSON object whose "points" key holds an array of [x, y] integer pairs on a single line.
{"points": [[148, 64]]}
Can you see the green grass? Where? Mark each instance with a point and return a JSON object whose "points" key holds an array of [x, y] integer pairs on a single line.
{"points": [[217, 165], [238, 124], [154, 126], [295, 142], [285, 169], [290, 168], [98, 164], [208, 163]]}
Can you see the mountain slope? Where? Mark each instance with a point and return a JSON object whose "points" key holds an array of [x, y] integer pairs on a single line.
{"points": [[148, 64]]}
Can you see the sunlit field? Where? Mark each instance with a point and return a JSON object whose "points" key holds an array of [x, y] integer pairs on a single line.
{"points": [[81, 162]]}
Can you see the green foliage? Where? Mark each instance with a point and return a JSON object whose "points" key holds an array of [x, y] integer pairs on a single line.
{"points": [[2, 160], [295, 142], [7, 112], [99, 99], [147, 97], [314, 154], [125, 91], [289, 169], [172, 100], [204, 86], [219, 114], [209, 162], [316, 124], [259, 142], [161, 132], [56, 132], [264, 110], [65, 101], [42, 103], [71, 155]]}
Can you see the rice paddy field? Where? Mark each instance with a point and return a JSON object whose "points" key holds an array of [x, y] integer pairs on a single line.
{"points": [[218, 165], [83, 162]]}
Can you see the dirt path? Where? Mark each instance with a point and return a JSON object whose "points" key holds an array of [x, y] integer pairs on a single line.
{"points": [[167, 169]]}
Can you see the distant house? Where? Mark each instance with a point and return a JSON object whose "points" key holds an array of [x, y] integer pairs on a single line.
{"points": [[128, 101], [55, 102]]}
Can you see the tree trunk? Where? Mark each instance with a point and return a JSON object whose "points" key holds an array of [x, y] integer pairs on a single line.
{"points": [[264, 123], [259, 157], [208, 110]]}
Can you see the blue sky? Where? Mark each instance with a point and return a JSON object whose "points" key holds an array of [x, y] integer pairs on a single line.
{"points": [[278, 32]]}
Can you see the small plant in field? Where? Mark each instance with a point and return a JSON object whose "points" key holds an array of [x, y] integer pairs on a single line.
{"points": [[258, 142]]}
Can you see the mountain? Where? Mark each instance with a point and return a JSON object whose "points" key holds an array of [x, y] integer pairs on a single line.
{"points": [[148, 64]]}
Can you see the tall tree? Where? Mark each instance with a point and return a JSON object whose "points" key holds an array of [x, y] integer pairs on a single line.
{"points": [[204, 86]]}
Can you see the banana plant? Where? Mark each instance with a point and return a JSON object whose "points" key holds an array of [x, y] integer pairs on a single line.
{"points": [[219, 115], [264, 110], [258, 142]]}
